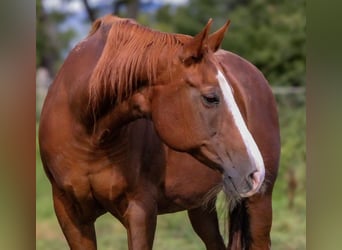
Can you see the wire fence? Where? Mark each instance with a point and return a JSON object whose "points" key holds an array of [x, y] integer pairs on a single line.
{"points": [[288, 90]]}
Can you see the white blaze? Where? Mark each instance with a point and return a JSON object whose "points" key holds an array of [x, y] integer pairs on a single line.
{"points": [[251, 147]]}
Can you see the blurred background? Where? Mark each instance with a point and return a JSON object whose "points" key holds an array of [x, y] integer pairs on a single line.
{"points": [[270, 34]]}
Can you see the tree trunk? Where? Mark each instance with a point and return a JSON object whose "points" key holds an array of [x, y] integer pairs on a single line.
{"points": [[90, 11], [132, 8]]}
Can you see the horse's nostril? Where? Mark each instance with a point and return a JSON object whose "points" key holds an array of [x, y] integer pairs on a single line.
{"points": [[251, 180], [251, 176]]}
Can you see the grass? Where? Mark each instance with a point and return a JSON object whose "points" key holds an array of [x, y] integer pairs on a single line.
{"points": [[174, 230]]}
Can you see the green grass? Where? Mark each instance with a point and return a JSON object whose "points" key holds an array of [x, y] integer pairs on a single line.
{"points": [[174, 230]]}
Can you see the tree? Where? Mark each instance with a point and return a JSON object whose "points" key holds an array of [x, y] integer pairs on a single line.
{"points": [[50, 41], [127, 8], [270, 34]]}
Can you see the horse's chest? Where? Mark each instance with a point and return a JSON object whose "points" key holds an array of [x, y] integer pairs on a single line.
{"points": [[107, 184], [188, 182]]}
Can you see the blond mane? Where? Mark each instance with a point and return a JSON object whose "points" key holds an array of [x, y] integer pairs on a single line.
{"points": [[129, 59]]}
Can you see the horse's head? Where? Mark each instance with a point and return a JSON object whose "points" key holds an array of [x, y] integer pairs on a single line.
{"points": [[193, 109]]}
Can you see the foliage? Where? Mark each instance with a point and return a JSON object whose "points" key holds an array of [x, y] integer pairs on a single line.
{"points": [[51, 41], [271, 34], [289, 227]]}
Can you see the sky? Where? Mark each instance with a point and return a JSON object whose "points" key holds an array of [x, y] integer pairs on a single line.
{"points": [[78, 13], [77, 5]]}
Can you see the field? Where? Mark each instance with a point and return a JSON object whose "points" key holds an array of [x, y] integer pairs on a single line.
{"points": [[174, 230]]}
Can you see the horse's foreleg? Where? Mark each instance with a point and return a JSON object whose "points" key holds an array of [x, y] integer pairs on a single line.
{"points": [[140, 219], [250, 224], [259, 208], [78, 231], [204, 222]]}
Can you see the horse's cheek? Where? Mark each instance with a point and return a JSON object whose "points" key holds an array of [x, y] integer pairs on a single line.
{"points": [[168, 121]]}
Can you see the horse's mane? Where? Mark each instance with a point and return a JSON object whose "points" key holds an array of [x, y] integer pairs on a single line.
{"points": [[129, 59]]}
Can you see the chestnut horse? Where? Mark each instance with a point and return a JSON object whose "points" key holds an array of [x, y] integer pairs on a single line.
{"points": [[139, 123]]}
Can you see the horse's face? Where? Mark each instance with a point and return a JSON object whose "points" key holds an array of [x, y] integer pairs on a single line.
{"points": [[194, 111]]}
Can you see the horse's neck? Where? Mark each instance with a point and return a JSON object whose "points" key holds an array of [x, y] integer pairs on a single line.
{"points": [[112, 123], [126, 139]]}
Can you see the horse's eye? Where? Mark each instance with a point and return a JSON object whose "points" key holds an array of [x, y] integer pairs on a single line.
{"points": [[211, 100]]}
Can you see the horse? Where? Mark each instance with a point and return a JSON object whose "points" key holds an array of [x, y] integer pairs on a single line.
{"points": [[140, 122]]}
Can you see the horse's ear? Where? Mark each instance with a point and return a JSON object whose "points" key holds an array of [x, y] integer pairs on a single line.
{"points": [[215, 39], [197, 46]]}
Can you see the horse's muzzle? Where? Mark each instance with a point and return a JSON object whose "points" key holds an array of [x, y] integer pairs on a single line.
{"points": [[238, 186]]}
